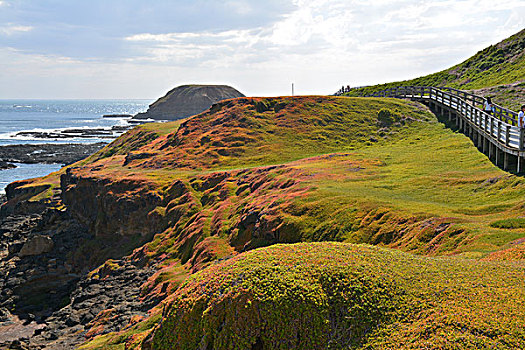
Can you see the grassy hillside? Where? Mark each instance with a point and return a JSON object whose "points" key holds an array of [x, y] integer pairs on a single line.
{"points": [[497, 65], [256, 131], [340, 296], [254, 172], [509, 95], [326, 168]]}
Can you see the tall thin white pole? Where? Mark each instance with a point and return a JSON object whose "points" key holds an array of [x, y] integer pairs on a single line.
{"points": [[292, 90]]}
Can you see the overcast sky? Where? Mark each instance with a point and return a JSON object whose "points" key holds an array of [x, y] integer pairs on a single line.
{"points": [[142, 49]]}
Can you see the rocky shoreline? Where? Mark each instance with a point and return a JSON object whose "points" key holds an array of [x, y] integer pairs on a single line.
{"points": [[46, 153], [88, 133], [47, 300]]}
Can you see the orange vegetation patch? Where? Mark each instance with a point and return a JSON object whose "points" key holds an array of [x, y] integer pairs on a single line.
{"points": [[515, 252], [258, 131], [96, 326]]}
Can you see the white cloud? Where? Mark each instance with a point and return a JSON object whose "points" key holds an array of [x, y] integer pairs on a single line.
{"points": [[319, 45], [323, 43], [11, 29]]}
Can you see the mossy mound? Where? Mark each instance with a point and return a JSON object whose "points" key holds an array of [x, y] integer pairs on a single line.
{"points": [[340, 296]]}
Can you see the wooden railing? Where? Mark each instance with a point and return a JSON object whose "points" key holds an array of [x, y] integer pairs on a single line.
{"points": [[501, 127]]}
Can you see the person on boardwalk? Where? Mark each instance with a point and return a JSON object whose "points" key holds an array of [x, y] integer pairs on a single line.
{"points": [[488, 107], [521, 117]]}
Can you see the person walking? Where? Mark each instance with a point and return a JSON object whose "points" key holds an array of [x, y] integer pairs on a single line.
{"points": [[488, 107], [521, 117]]}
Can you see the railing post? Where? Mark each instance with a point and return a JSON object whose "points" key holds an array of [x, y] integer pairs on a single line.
{"points": [[499, 130], [507, 135], [522, 130], [480, 117]]}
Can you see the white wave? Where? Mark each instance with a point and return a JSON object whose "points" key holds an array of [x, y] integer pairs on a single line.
{"points": [[148, 120]]}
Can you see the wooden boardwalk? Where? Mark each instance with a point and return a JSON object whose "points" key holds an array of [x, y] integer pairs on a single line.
{"points": [[497, 135]]}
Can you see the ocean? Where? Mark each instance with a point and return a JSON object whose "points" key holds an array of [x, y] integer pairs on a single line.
{"points": [[52, 116]]}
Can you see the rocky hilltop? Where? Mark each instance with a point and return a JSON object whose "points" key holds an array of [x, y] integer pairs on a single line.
{"points": [[187, 100]]}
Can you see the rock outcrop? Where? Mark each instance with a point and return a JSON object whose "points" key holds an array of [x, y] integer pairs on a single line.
{"points": [[6, 165], [187, 100], [36, 246], [106, 207], [46, 153]]}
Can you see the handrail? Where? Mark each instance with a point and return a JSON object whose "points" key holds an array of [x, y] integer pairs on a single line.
{"points": [[507, 133]]}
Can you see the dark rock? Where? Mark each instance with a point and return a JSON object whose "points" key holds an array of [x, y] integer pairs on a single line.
{"points": [[72, 320], [14, 247], [117, 116], [121, 127], [51, 335], [87, 132], [18, 345], [138, 121], [36, 246], [5, 165], [48, 153], [187, 100], [5, 315], [69, 133]]}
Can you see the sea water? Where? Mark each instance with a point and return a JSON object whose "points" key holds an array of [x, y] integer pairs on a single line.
{"points": [[53, 116]]}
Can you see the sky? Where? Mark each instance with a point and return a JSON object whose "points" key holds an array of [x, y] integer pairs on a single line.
{"points": [[131, 49]]}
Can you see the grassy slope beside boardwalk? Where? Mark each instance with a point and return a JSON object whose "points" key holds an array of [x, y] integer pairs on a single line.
{"points": [[431, 193], [418, 172], [497, 71], [412, 185]]}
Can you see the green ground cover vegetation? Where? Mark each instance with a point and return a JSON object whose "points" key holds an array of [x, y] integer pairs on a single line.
{"points": [[356, 170], [499, 67]]}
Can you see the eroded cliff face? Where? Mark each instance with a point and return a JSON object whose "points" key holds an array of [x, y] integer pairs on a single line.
{"points": [[19, 195], [112, 207], [179, 229], [49, 299]]}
